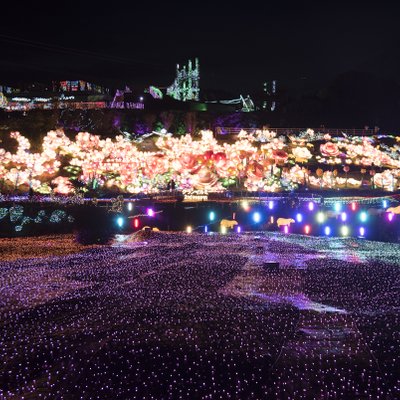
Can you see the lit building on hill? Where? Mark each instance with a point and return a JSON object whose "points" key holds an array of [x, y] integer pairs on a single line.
{"points": [[186, 84]]}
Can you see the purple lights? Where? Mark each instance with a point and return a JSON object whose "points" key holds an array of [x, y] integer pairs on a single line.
{"points": [[199, 317]]}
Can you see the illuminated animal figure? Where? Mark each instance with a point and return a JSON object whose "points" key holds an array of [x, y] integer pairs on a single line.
{"points": [[284, 221], [228, 223], [394, 210], [148, 228]]}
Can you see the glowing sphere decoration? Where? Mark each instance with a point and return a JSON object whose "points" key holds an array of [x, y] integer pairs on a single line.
{"points": [[311, 206], [120, 222], [238, 229], [224, 230], [206, 229], [271, 204], [344, 230], [363, 216], [299, 217], [390, 217], [307, 229], [150, 212], [327, 230], [189, 229], [384, 203], [136, 223], [343, 216], [211, 216], [256, 217], [337, 206], [286, 229], [130, 206], [353, 206], [245, 205], [362, 231], [320, 217]]}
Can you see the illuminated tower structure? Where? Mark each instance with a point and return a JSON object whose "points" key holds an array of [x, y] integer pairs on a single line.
{"points": [[186, 84]]}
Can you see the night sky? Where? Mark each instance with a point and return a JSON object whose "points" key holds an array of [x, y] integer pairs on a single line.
{"points": [[302, 45]]}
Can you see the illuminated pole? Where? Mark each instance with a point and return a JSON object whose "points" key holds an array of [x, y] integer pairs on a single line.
{"points": [[16, 179], [196, 82], [190, 89]]}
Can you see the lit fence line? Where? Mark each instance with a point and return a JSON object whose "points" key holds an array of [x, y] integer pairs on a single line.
{"points": [[222, 130]]}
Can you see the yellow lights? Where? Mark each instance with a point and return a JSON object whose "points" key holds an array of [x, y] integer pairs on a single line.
{"points": [[320, 217], [344, 230], [245, 205], [223, 230], [189, 229]]}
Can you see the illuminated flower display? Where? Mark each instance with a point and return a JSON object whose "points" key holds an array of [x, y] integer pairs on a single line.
{"points": [[329, 149], [301, 154], [259, 161]]}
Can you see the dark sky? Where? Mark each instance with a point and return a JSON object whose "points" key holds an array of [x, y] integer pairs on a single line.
{"points": [[239, 47]]}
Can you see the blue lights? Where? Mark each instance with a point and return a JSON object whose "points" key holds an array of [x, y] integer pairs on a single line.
{"points": [[362, 231], [270, 204], [363, 216], [211, 216], [120, 222], [299, 217], [337, 207], [343, 216], [384, 203], [311, 206], [256, 217], [239, 229], [206, 229], [327, 230]]}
